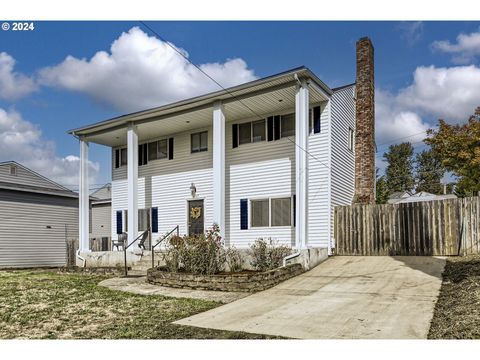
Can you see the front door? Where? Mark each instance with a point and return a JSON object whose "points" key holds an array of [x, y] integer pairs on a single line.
{"points": [[195, 217]]}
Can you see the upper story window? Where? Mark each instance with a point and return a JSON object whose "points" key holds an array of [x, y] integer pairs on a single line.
{"points": [[251, 132], [13, 170], [159, 149], [199, 142], [351, 140], [287, 125], [314, 125]]}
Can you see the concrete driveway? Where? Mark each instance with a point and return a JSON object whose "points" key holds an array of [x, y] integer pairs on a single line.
{"points": [[345, 297]]}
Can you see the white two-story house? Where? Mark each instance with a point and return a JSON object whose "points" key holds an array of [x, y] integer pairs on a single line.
{"points": [[265, 159]]}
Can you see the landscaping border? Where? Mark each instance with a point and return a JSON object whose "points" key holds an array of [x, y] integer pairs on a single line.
{"points": [[224, 282]]}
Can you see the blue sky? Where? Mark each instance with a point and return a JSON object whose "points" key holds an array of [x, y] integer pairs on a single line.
{"points": [[423, 72]]}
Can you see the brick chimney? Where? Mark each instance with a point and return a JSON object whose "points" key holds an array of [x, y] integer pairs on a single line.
{"points": [[365, 124]]}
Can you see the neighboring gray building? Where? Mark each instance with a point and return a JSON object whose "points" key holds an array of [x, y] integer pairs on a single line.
{"points": [[101, 218], [37, 215]]}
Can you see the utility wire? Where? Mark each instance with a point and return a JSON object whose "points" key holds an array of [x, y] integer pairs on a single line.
{"points": [[226, 90]]}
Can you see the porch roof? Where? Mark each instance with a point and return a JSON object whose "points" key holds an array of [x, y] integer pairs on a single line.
{"points": [[259, 97]]}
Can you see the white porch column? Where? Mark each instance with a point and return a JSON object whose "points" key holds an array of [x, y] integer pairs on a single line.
{"points": [[132, 182], [219, 167], [301, 164], [83, 199]]}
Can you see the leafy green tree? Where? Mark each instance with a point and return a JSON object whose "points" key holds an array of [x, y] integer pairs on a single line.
{"points": [[399, 171], [382, 193], [429, 172], [459, 148]]}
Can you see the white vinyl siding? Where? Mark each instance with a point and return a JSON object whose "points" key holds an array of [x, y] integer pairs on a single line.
{"points": [[166, 184], [255, 171], [343, 159], [319, 214]]}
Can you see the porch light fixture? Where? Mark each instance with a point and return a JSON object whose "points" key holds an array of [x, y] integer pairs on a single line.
{"points": [[193, 190]]}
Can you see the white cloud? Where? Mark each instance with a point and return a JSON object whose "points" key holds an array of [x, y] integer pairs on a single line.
{"points": [[451, 93], [394, 121], [141, 72], [12, 84], [412, 31], [22, 141], [464, 51]]}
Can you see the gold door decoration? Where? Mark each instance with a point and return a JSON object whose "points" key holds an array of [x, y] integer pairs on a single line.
{"points": [[195, 212]]}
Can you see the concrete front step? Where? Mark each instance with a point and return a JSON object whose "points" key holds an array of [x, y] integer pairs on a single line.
{"points": [[145, 263]]}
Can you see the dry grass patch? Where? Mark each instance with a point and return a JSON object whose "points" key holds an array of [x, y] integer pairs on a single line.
{"points": [[47, 304], [457, 312]]}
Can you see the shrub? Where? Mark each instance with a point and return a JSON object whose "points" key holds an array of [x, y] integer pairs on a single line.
{"points": [[234, 259], [197, 254], [268, 255]]}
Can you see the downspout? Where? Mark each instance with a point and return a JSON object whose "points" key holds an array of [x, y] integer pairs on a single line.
{"points": [[81, 258], [78, 251], [289, 257]]}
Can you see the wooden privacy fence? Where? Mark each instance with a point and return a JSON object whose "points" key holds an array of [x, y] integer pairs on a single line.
{"points": [[440, 227]]}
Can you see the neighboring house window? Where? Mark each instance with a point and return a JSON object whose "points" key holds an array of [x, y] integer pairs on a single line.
{"points": [[350, 139], [260, 212], [281, 212], [125, 216], [199, 142], [13, 170]]}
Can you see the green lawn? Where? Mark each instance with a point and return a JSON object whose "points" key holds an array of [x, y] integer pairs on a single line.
{"points": [[50, 305], [457, 312]]}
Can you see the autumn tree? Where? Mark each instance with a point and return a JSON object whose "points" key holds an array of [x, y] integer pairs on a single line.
{"points": [[399, 171], [459, 148], [429, 172]]}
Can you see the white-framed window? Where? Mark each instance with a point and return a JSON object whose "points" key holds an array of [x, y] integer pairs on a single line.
{"points": [[158, 150], [251, 132], [120, 157], [260, 210], [351, 139], [199, 142], [271, 212], [143, 215], [13, 170], [287, 125]]}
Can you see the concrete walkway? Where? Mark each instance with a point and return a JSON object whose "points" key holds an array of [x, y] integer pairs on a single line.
{"points": [[138, 285], [343, 298]]}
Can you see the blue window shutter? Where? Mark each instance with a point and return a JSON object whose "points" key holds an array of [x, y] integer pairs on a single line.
{"points": [[119, 222], [316, 119], [243, 214], [155, 220]]}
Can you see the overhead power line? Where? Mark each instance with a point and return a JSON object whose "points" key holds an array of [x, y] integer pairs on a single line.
{"points": [[222, 87]]}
